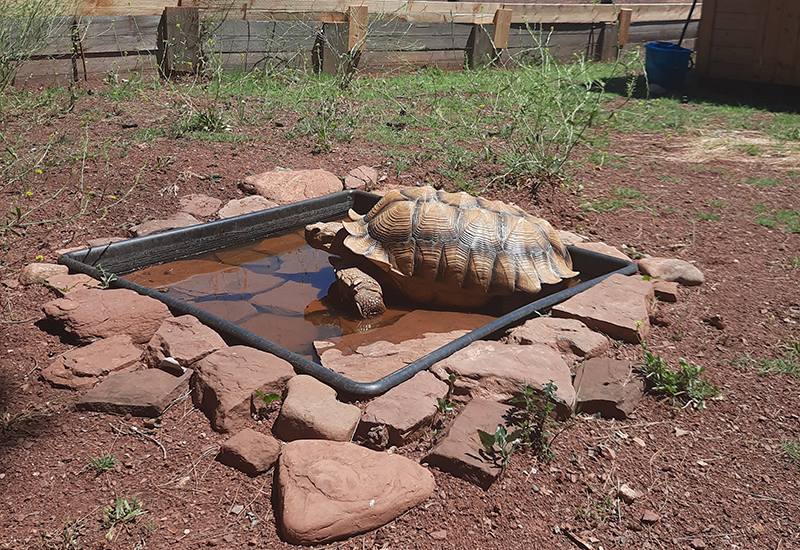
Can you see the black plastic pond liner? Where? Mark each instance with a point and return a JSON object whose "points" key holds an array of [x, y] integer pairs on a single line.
{"points": [[125, 257]]}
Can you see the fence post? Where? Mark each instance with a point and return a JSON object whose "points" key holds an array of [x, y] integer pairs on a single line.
{"points": [[608, 42], [624, 26], [502, 30], [486, 42], [178, 41], [338, 46]]}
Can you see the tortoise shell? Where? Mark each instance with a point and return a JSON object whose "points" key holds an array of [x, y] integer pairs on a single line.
{"points": [[459, 240]]}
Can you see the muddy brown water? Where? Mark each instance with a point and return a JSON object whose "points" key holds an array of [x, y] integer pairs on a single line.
{"points": [[280, 289]]}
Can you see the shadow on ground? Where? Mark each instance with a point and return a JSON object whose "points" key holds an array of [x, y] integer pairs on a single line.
{"points": [[768, 97]]}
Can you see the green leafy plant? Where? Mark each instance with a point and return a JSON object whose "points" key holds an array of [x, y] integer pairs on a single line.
{"points": [[444, 404], [500, 445], [102, 463], [685, 386], [269, 398], [122, 513], [106, 278], [535, 419]]}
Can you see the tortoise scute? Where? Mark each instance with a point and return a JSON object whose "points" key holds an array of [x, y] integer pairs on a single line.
{"points": [[459, 240]]}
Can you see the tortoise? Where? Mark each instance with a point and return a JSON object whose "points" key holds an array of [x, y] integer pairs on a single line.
{"points": [[448, 249]]}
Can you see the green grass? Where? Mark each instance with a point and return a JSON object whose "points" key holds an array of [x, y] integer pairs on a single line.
{"points": [[708, 217], [786, 220], [763, 182], [670, 179], [605, 205], [717, 203], [792, 449], [627, 193], [787, 362]]}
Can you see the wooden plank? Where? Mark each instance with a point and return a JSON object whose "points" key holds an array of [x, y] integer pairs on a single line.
{"points": [[732, 22], [738, 6], [744, 39], [502, 27], [771, 39], [788, 32], [259, 36], [739, 56], [417, 36], [451, 59], [607, 50], [92, 8], [178, 41], [442, 12], [625, 15], [357, 27], [122, 33]]}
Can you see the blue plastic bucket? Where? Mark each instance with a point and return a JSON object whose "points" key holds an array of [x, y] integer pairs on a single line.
{"points": [[666, 64]]}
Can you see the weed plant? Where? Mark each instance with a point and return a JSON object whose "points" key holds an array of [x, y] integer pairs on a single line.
{"points": [[122, 513], [534, 417], [787, 362], [27, 28], [685, 386], [792, 449], [102, 463]]}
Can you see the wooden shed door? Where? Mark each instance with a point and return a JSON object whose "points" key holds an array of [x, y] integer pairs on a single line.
{"points": [[755, 40]]}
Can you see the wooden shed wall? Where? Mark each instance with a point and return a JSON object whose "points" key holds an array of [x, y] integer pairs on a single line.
{"points": [[752, 40]]}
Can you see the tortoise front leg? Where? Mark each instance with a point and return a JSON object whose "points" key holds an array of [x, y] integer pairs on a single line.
{"points": [[362, 289]]}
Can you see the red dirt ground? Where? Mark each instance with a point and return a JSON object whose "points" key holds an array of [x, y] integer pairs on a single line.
{"points": [[716, 478]]}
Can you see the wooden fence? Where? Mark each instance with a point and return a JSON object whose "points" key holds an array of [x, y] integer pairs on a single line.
{"points": [[755, 41], [120, 37]]}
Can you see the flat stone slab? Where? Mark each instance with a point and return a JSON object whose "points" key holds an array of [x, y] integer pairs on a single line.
{"points": [[287, 186], [86, 314], [369, 356], [40, 272], [460, 452], [175, 221], [184, 339], [201, 206], [496, 372], [226, 381], [618, 307], [142, 393], [103, 241], [250, 452], [670, 269], [247, 205], [363, 177], [83, 367], [406, 409], [64, 284], [310, 411], [609, 387], [330, 490], [565, 335]]}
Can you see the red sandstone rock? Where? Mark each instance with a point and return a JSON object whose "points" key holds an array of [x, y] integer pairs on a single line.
{"points": [[250, 452], [496, 372], [247, 205], [83, 367], [63, 284], [564, 335], [363, 177], [670, 269], [310, 411], [332, 490], [406, 409], [603, 248], [201, 206], [608, 387], [460, 452], [175, 221], [285, 186], [184, 339], [226, 381], [40, 272], [142, 393], [618, 306], [666, 291], [86, 314]]}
